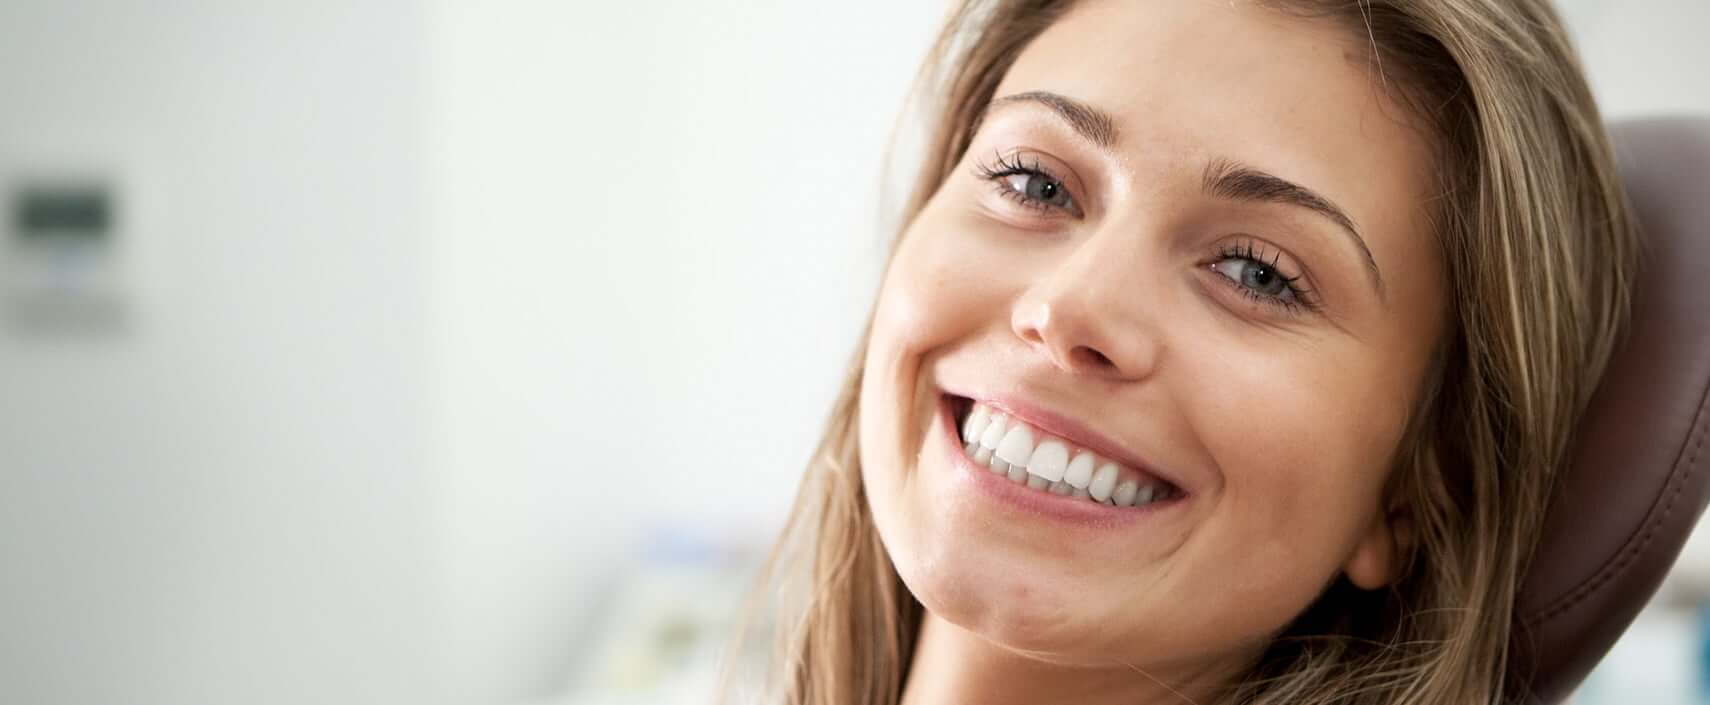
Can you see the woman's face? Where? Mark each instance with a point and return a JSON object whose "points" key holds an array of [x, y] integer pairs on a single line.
{"points": [[1188, 255]]}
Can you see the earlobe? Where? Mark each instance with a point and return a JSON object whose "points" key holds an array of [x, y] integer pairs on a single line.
{"points": [[1376, 561]]}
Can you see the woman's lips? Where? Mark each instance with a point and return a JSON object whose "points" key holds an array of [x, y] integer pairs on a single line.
{"points": [[1071, 431], [1025, 454]]}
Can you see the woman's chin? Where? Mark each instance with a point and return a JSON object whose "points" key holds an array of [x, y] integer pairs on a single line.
{"points": [[1024, 609]]}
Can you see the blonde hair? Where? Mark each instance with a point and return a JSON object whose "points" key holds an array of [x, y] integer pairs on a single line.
{"points": [[1539, 249]]}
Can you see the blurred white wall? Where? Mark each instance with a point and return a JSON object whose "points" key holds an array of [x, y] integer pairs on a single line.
{"points": [[1644, 58], [224, 502], [657, 236]]}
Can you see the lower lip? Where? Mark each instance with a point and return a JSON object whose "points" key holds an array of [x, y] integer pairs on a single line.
{"points": [[980, 480]]}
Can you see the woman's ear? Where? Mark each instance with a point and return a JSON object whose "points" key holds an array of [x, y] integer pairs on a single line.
{"points": [[1376, 561]]}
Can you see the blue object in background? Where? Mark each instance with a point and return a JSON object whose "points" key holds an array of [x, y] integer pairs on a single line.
{"points": [[1703, 643]]}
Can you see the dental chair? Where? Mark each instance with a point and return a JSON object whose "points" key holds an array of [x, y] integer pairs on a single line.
{"points": [[1640, 474]]}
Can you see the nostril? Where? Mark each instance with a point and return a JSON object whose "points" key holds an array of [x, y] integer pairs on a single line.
{"points": [[1093, 357]]}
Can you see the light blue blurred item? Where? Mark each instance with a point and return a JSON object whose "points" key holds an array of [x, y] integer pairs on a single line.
{"points": [[669, 616], [1658, 661]]}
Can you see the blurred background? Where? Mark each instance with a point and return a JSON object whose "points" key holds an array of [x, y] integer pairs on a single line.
{"points": [[420, 351]]}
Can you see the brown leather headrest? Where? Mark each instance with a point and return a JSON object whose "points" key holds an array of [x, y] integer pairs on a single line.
{"points": [[1637, 483]]}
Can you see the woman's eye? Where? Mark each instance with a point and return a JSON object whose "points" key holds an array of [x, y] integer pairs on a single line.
{"points": [[1262, 281], [1026, 180], [1034, 188], [1258, 277]]}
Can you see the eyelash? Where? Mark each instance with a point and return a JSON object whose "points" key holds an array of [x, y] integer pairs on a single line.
{"points": [[1304, 300], [1003, 167]]}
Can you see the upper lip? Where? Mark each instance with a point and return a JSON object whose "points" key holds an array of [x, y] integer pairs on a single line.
{"points": [[1068, 428]]}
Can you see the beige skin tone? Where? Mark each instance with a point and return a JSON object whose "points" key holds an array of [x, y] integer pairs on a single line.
{"points": [[1112, 302]]}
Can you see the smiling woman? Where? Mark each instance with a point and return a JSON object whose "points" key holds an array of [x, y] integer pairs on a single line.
{"points": [[1226, 356]]}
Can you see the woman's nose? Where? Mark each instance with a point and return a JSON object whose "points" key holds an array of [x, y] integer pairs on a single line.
{"points": [[1085, 316]]}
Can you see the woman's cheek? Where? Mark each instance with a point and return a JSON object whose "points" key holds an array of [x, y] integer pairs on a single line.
{"points": [[1268, 419], [935, 293]]}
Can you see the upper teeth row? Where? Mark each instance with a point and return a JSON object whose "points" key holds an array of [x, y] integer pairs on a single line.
{"points": [[1025, 454]]}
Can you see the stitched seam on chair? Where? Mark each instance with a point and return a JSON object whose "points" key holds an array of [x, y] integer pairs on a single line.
{"points": [[1636, 546]]}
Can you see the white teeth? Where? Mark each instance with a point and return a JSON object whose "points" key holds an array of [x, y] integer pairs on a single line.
{"points": [[976, 424], [1124, 493], [1005, 445], [1017, 474], [994, 431], [1049, 461], [1079, 474], [1017, 445], [1103, 482]]}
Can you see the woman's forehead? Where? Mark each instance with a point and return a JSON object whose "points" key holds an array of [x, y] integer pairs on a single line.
{"points": [[1214, 76], [1187, 85]]}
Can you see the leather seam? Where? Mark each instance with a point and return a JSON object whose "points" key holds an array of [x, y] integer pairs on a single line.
{"points": [[1637, 544]]}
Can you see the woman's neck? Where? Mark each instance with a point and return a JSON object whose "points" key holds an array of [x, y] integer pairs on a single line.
{"points": [[952, 665]]}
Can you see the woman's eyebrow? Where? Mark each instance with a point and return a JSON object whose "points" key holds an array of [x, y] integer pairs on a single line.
{"points": [[1236, 181], [1090, 122]]}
